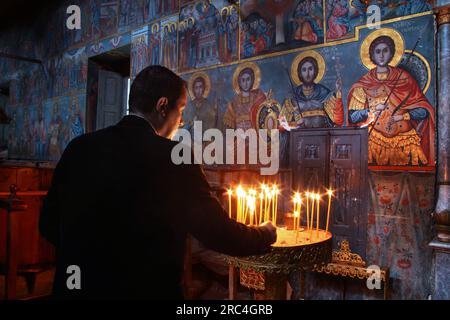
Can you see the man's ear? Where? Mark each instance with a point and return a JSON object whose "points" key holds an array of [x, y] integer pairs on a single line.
{"points": [[161, 105]]}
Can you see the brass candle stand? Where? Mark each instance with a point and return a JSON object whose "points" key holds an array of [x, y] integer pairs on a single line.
{"points": [[294, 251]]}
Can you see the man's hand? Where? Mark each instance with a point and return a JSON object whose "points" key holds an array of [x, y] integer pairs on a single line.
{"points": [[271, 228]]}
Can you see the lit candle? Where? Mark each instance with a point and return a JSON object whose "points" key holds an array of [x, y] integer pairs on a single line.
{"points": [[295, 206], [240, 193], [318, 215], [307, 209], [299, 212], [273, 206], [230, 192], [330, 193], [261, 197], [269, 204], [276, 203], [295, 225], [311, 216]]}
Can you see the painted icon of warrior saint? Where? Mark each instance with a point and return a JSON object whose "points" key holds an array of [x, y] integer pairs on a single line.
{"points": [[200, 107], [390, 102], [312, 105], [248, 98]]}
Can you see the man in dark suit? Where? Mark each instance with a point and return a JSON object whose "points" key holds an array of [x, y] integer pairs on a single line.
{"points": [[120, 210]]}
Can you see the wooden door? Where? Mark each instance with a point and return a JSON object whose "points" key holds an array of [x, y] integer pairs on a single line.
{"points": [[110, 99]]}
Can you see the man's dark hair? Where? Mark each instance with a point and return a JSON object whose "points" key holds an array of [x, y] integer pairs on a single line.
{"points": [[302, 62], [382, 39], [151, 84]]}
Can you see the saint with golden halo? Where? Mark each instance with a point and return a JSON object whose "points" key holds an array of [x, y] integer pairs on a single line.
{"points": [[248, 98], [312, 105], [403, 133], [200, 107]]}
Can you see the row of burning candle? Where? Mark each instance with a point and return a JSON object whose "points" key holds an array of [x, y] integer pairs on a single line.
{"points": [[312, 200], [249, 209]]}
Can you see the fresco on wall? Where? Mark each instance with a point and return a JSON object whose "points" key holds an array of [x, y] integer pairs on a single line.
{"points": [[42, 131], [108, 44], [268, 26], [389, 101], [65, 121], [108, 17], [343, 16], [155, 43], [139, 51], [312, 105], [133, 13], [202, 104], [207, 34], [168, 52]]}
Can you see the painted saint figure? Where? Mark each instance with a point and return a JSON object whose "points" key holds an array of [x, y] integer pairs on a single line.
{"points": [[307, 22], [312, 105], [74, 121], [155, 43], [338, 22], [403, 134], [54, 133], [256, 35], [40, 133], [201, 107], [249, 96]]}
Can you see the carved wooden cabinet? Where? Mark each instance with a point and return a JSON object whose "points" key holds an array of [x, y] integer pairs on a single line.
{"points": [[335, 158]]}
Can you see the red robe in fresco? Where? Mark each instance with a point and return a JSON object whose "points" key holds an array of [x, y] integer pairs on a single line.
{"points": [[376, 91]]}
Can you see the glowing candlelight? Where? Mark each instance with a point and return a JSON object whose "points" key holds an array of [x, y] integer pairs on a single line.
{"points": [[240, 194], [261, 198], [230, 192], [299, 212], [311, 216], [307, 209], [273, 207], [294, 199], [318, 214], [330, 193], [276, 191], [269, 198]]}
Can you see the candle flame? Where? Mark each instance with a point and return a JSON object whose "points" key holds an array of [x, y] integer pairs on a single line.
{"points": [[230, 192], [330, 192]]}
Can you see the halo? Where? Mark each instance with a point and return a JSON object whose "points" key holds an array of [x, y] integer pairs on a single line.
{"points": [[320, 63], [391, 33], [224, 9], [427, 65], [191, 82], [242, 66], [157, 27]]}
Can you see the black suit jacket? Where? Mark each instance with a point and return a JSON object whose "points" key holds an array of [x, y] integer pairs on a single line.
{"points": [[120, 210]]}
